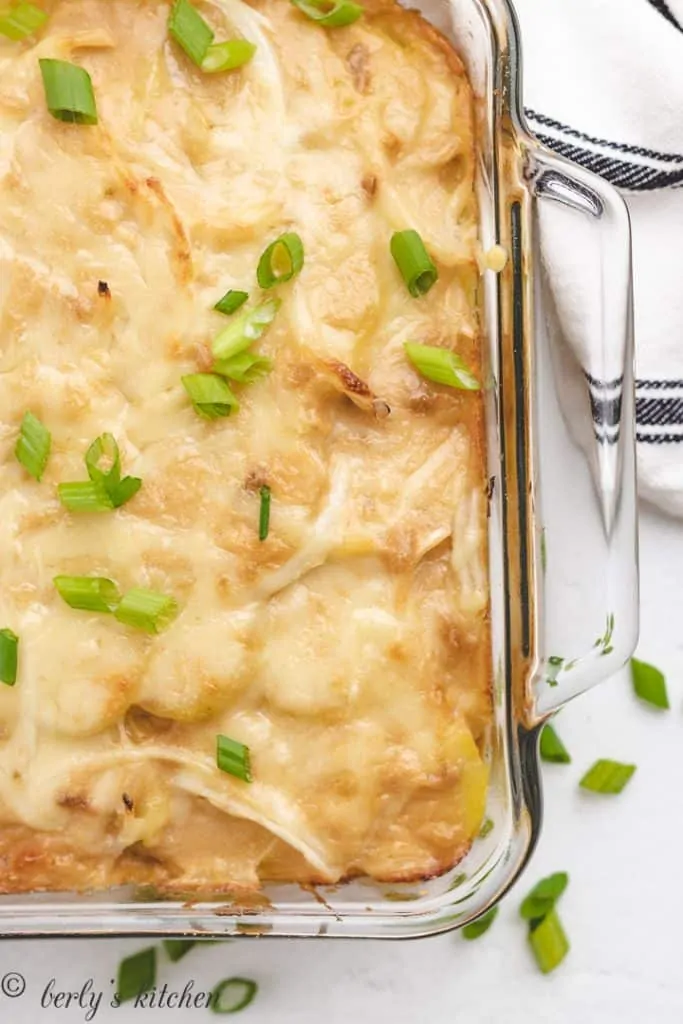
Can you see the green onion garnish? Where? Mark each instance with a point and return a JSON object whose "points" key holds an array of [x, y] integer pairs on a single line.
{"points": [[480, 926], [190, 31], [89, 593], [231, 302], [21, 21], [412, 259], [245, 367], [544, 896], [486, 828], [68, 91], [649, 684], [246, 328], [607, 777], [264, 515], [137, 974], [552, 748], [178, 948], [210, 395], [146, 609], [9, 650], [330, 13], [33, 445], [103, 463], [84, 496], [233, 757], [234, 53], [442, 366], [281, 260], [548, 942], [232, 995]]}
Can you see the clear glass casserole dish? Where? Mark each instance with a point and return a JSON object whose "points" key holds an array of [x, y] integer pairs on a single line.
{"points": [[562, 519]]}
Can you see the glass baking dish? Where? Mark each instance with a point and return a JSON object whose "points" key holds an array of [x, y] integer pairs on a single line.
{"points": [[562, 522]]}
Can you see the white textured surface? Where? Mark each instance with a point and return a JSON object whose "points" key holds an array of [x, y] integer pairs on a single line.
{"points": [[622, 910]]}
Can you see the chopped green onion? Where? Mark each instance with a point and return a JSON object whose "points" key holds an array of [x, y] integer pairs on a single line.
{"points": [[21, 21], [231, 302], [190, 31], [281, 260], [548, 942], [178, 948], [146, 609], [232, 995], [555, 663], [137, 974], [544, 896], [480, 926], [649, 684], [552, 748], [330, 13], [84, 496], [233, 757], [264, 515], [33, 445], [246, 328], [108, 476], [9, 649], [459, 880], [68, 91], [486, 828], [442, 366], [607, 777], [234, 53], [89, 593], [210, 395], [412, 259], [245, 367]]}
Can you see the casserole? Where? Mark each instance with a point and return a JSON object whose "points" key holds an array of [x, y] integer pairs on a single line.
{"points": [[559, 421]]}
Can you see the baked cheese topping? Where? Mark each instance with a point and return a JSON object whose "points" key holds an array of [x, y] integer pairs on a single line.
{"points": [[349, 649]]}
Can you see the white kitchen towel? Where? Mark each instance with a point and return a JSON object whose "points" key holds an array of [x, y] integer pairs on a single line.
{"points": [[603, 86]]}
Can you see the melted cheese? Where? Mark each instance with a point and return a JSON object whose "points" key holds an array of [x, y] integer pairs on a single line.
{"points": [[350, 649]]}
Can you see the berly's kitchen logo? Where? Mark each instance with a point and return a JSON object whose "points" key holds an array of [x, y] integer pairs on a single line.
{"points": [[89, 999]]}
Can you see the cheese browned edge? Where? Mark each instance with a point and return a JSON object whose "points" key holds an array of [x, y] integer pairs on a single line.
{"points": [[350, 650]]}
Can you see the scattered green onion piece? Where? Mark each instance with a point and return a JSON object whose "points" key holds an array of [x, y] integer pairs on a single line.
{"points": [[281, 260], [442, 366], [649, 684], [486, 828], [246, 328], [555, 663], [413, 260], [548, 942], [137, 974], [89, 593], [68, 91], [264, 514], [231, 302], [9, 650], [480, 926], [228, 56], [552, 748], [84, 496], [210, 395], [233, 995], [233, 757], [125, 490], [607, 777], [109, 478], [176, 949], [330, 13], [544, 895], [146, 609], [33, 445], [245, 367], [459, 880], [190, 31], [21, 21]]}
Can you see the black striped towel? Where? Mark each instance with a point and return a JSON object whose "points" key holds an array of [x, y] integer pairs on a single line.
{"points": [[603, 86]]}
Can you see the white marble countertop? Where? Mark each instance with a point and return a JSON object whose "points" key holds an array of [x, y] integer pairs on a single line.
{"points": [[622, 908]]}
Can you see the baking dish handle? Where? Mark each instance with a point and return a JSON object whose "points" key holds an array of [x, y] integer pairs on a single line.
{"points": [[586, 538]]}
